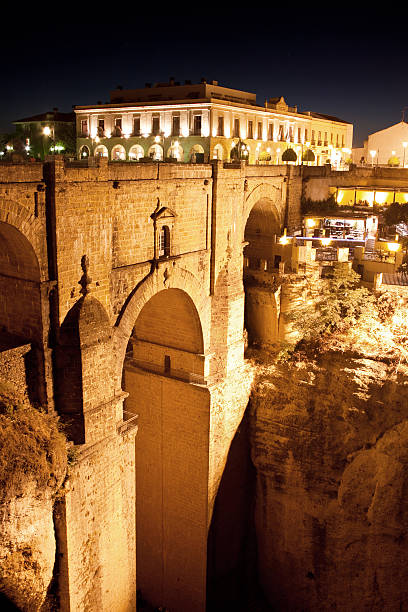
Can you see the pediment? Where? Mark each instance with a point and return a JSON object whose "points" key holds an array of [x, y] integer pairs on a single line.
{"points": [[163, 213]]}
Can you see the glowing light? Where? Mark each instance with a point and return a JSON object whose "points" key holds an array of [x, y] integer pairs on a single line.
{"points": [[205, 131], [392, 152], [47, 131], [284, 239], [325, 241], [405, 144], [310, 223], [146, 135], [97, 139], [108, 133], [393, 247], [185, 132]]}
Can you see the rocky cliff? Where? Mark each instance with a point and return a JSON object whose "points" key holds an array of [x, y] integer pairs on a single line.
{"points": [[329, 442], [33, 464]]}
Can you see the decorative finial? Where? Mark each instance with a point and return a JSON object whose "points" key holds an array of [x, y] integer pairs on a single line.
{"points": [[86, 280]]}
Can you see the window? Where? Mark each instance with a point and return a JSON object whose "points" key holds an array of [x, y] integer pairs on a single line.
{"points": [[313, 137], [281, 133], [270, 135], [84, 128], [299, 138], [236, 128], [259, 130], [117, 130], [220, 126], [155, 125], [250, 129], [175, 127], [164, 241], [342, 141], [325, 139], [197, 125], [136, 126], [319, 138], [306, 135], [101, 127], [337, 140]]}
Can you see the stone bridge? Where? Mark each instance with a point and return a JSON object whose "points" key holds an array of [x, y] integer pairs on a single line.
{"points": [[127, 282]]}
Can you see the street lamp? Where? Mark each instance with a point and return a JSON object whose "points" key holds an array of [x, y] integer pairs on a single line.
{"points": [[47, 131], [404, 144], [373, 154]]}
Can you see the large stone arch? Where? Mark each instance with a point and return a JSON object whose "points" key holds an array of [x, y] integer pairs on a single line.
{"points": [[163, 375], [31, 227], [263, 221], [166, 276]]}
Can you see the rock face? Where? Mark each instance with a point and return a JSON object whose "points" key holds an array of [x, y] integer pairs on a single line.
{"points": [[27, 549], [33, 463], [329, 441]]}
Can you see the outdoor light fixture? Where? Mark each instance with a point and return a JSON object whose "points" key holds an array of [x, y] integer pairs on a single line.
{"points": [[310, 223], [325, 241], [47, 130], [284, 239], [373, 154], [393, 247]]}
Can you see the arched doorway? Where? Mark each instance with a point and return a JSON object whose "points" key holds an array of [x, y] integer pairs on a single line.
{"points": [[84, 152], [101, 151], [163, 374], [20, 310], [118, 153], [261, 258]]}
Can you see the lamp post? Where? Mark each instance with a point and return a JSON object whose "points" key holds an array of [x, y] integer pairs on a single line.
{"points": [[372, 153], [404, 144]]}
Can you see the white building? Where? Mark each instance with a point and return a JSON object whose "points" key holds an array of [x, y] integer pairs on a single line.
{"points": [[386, 147], [206, 121]]}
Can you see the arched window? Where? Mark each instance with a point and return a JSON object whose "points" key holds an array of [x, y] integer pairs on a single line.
{"points": [[218, 152], [164, 241], [118, 153], [101, 151], [155, 152], [136, 152], [84, 152]]}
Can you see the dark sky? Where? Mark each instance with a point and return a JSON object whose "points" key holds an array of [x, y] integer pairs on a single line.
{"points": [[344, 63]]}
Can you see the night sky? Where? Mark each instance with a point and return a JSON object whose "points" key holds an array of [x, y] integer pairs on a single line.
{"points": [[335, 61]]}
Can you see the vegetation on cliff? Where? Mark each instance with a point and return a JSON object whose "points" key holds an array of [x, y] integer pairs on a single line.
{"points": [[32, 447], [337, 313]]}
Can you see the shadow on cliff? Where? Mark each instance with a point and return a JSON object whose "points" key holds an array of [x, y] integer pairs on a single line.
{"points": [[231, 566]]}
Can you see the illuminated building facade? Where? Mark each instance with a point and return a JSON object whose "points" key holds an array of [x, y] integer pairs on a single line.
{"points": [[47, 133], [197, 123], [388, 147]]}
